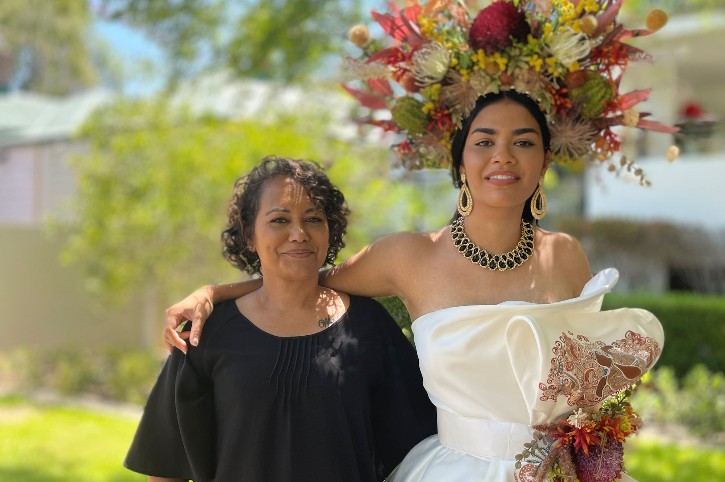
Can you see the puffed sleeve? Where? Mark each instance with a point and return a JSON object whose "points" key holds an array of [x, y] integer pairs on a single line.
{"points": [[403, 415], [157, 448], [573, 359]]}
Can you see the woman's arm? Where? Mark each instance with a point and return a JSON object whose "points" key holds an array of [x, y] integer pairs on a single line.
{"points": [[197, 307], [164, 479]]}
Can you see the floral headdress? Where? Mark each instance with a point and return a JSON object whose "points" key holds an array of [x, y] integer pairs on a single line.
{"points": [[568, 55]]}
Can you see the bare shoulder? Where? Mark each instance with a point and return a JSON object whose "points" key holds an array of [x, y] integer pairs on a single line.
{"points": [[564, 253]]}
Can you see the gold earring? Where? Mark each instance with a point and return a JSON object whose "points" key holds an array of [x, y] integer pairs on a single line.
{"points": [[464, 195], [538, 203]]}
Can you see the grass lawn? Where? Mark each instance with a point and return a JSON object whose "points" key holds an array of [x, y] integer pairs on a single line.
{"points": [[56, 444], [650, 461]]}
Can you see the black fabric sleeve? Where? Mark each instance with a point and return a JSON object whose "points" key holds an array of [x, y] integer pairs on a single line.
{"points": [[157, 448], [403, 415]]}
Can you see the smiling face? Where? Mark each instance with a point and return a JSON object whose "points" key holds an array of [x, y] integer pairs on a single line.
{"points": [[504, 156], [291, 235]]}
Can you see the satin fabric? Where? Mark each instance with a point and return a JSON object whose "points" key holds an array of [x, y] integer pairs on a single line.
{"points": [[493, 371]]}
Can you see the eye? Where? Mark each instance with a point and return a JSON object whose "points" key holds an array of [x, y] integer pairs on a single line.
{"points": [[278, 220], [484, 143], [314, 219], [524, 143]]}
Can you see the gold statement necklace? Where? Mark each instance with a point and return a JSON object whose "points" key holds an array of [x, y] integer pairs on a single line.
{"points": [[501, 262]]}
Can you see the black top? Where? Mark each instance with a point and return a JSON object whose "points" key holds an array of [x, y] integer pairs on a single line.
{"points": [[342, 405]]}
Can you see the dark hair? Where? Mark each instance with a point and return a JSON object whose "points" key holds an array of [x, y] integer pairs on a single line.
{"points": [[244, 204], [461, 134]]}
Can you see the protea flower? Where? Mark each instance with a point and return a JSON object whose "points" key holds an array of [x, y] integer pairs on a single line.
{"points": [[430, 63], [569, 46]]}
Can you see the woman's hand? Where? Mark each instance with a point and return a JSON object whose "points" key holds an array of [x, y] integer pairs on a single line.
{"points": [[196, 307]]}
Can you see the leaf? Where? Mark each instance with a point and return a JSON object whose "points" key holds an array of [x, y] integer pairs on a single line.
{"points": [[651, 125], [630, 99], [381, 86], [371, 101]]}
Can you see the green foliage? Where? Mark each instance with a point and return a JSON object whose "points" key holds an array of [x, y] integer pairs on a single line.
{"points": [[152, 192], [111, 373], [653, 461], [273, 39], [697, 402], [59, 60], [693, 324]]}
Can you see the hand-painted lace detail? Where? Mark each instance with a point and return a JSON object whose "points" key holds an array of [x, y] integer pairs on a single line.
{"points": [[587, 372]]}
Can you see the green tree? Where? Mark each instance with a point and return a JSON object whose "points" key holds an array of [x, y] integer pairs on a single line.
{"points": [[152, 191], [48, 43], [272, 39]]}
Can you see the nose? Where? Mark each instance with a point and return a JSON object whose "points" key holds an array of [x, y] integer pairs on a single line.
{"points": [[297, 233], [503, 154]]}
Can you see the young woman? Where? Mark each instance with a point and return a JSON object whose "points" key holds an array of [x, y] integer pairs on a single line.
{"points": [[293, 381]]}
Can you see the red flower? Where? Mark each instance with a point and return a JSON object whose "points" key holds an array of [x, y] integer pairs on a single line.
{"points": [[496, 25]]}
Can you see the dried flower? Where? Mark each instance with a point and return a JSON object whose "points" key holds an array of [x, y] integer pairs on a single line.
{"points": [[430, 63], [630, 118], [408, 114], [496, 25], [673, 153], [569, 46], [588, 24], [359, 35], [656, 19], [571, 137], [568, 55]]}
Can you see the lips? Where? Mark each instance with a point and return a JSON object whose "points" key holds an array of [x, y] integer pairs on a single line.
{"points": [[299, 253], [502, 178]]}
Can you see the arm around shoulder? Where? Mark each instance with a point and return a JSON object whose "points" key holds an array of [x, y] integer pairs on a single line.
{"points": [[376, 270]]}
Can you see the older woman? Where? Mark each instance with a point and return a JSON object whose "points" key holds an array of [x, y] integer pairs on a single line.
{"points": [[293, 381]]}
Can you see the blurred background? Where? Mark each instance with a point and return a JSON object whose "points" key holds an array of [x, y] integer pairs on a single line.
{"points": [[124, 124]]}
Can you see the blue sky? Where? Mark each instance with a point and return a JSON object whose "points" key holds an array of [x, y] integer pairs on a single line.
{"points": [[140, 58]]}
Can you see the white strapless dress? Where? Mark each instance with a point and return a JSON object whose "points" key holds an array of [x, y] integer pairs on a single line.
{"points": [[493, 371]]}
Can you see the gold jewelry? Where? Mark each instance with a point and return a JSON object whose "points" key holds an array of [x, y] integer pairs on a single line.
{"points": [[464, 209], [501, 262], [538, 203]]}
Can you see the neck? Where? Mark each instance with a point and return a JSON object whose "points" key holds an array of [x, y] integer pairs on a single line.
{"points": [[289, 295], [496, 231]]}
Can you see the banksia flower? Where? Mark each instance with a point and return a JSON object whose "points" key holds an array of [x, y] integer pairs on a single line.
{"points": [[495, 26], [408, 114], [593, 96]]}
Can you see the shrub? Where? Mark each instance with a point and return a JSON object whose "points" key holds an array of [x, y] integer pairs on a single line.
{"points": [[694, 327]]}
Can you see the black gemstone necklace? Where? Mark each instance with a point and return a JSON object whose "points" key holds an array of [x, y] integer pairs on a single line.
{"points": [[501, 262]]}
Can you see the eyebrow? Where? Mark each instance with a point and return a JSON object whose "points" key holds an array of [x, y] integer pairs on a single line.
{"points": [[283, 210], [516, 132]]}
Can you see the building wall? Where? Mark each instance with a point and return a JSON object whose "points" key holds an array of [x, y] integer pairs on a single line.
{"points": [[43, 303]]}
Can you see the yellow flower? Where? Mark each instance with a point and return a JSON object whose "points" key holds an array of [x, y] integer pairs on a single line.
{"points": [[536, 62], [574, 66], [428, 107], [500, 60]]}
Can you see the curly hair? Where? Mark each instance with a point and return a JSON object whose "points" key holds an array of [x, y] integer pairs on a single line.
{"points": [[244, 204]]}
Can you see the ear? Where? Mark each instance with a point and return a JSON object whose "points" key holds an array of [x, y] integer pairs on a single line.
{"points": [[547, 163]]}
